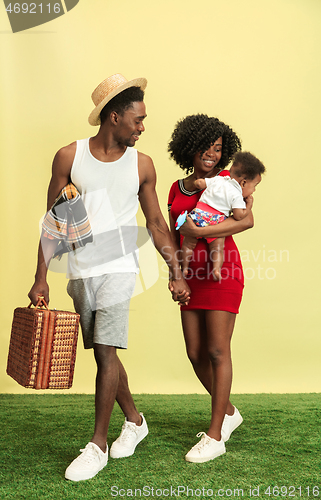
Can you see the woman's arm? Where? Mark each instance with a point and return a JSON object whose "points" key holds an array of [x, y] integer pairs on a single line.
{"points": [[226, 228], [174, 234], [176, 242]]}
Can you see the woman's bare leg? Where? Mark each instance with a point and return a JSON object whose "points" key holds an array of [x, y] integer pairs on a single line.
{"points": [[196, 341], [194, 329], [220, 325]]}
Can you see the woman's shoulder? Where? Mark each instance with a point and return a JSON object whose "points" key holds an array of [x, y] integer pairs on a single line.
{"points": [[173, 192], [174, 188], [224, 173], [175, 184], [179, 187]]}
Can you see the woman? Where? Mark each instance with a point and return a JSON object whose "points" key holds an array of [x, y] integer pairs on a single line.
{"points": [[203, 147]]}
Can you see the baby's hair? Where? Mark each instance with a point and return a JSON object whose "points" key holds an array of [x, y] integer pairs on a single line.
{"points": [[247, 165]]}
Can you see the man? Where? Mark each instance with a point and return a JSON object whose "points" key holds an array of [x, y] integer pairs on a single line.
{"points": [[111, 177]]}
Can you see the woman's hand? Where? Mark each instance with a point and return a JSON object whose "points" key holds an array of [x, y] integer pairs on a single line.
{"points": [[189, 228]]}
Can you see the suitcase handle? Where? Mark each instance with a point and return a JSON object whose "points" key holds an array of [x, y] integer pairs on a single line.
{"points": [[41, 303]]}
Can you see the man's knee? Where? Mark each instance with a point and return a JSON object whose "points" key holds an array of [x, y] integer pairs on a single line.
{"points": [[104, 355]]}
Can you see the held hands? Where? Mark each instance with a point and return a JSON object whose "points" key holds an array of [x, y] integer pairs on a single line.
{"points": [[180, 291]]}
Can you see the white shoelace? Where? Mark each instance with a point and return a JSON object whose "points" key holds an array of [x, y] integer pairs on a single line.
{"points": [[128, 433], [203, 443], [89, 454]]}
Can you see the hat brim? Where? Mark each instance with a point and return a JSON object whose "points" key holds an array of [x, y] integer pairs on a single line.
{"points": [[94, 117]]}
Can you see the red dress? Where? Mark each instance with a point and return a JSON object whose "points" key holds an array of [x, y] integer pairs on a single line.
{"points": [[224, 295]]}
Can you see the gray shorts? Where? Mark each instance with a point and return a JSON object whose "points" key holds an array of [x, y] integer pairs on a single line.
{"points": [[103, 305]]}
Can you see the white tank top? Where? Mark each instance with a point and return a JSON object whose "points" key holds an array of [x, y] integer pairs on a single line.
{"points": [[109, 191]]}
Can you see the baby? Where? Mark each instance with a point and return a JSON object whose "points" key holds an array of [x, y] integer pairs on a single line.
{"points": [[229, 191]]}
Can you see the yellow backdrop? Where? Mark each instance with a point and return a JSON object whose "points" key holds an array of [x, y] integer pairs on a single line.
{"points": [[256, 66]]}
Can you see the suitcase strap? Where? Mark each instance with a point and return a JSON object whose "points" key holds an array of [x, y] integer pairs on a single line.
{"points": [[40, 304]]}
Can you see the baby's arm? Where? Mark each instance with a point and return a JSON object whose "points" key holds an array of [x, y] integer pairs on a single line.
{"points": [[240, 213], [200, 184]]}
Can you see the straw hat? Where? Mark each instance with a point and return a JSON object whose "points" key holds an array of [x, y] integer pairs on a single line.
{"points": [[109, 88]]}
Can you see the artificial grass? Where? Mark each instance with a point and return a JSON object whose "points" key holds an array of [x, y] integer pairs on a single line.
{"points": [[277, 446]]}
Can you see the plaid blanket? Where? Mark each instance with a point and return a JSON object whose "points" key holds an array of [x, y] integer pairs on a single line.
{"points": [[68, 222]]}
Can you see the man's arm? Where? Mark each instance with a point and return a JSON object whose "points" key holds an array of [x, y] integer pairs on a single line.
{"points": [[156, 224], [61, 168]]}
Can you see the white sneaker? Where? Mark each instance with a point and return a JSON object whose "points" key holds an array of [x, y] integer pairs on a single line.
{"points": [[88, 464], [230, 423], [131, 434], [206, 449]]}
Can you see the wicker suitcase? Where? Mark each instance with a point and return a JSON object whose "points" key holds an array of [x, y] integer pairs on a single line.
{"points": [[43, 345]]}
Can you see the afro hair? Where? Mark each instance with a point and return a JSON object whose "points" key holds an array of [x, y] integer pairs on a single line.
{"points": [[195, 134]]}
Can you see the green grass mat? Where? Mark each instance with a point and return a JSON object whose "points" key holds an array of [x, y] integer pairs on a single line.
{"points": [[274, 453]]}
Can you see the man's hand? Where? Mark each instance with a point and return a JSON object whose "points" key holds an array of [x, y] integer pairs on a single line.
{"points": [[39, 288], [180, 291]]}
